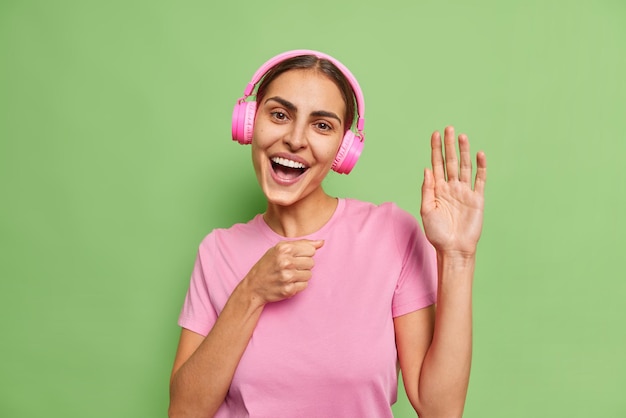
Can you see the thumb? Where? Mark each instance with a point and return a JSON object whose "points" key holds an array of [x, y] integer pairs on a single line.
{"points": [[428, 189], [319, 243]]}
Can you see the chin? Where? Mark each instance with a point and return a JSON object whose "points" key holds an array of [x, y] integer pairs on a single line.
{"points": [[281, 197]]}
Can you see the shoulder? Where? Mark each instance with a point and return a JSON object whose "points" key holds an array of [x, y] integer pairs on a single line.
{"points": [[236, 235], [387, 222], [387, 212]]}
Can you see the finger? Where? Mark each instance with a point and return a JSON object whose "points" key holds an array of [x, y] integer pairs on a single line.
{"points": [[294, 274], [306, 247], [436, 157], [303, 263], [466, 160], [317, 243], [296, 248], [452, 164], [294, 288], [428, 191], [481, 173]]}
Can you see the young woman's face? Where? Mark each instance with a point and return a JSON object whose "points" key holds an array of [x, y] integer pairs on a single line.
{"points": [[298, 129]]}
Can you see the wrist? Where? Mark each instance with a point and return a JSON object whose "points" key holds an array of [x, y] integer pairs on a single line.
{"points": [[456, 257], [454, 264], [245, 294]]}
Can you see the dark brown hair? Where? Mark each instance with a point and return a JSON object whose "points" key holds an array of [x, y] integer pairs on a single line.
{"points": [[324, 66]]}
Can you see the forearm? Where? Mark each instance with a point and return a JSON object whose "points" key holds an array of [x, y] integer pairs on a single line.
{"points": [[200, 385], [444, 376]]}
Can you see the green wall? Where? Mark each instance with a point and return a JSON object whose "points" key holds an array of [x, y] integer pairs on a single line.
{"points": [[116, 160]]}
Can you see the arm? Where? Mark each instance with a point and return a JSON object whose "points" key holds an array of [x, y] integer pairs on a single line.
{"points": [[435, 349], [435, 357], [204, 367]]}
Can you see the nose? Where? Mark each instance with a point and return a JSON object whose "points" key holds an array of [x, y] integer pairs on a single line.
{"points": [[296, 138]]}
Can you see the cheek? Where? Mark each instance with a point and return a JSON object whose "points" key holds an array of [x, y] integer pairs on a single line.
{"points": [[264, 133], [335, 149], [260, 140], [256, 156], [326, 156]]}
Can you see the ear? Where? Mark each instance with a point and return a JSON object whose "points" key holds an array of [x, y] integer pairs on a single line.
{"points": [[243, 122]]}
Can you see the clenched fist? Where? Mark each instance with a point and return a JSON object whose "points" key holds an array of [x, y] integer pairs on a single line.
{"points": [[283, 271]]}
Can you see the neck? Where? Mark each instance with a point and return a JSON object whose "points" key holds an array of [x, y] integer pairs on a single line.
{"points": [[302, 218]]}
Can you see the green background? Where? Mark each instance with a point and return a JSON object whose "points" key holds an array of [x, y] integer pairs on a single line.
{"points": [[116, 160]]}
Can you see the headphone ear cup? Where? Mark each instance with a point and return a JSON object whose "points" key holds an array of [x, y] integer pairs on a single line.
{"points": [[243, 122], [348, 154]]}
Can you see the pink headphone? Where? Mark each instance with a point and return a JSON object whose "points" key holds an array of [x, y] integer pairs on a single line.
{"points": [[352, 143]]}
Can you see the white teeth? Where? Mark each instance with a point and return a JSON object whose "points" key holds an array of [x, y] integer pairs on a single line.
{"points": [[287, 163]]}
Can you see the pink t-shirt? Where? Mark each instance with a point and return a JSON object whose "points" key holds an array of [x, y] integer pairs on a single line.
{"points": [[330, 350]]}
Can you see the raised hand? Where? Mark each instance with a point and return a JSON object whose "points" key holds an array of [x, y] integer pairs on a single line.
{"points": [[283, 271], [452, 211]]}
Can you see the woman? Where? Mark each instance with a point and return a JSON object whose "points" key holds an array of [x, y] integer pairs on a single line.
{"points": [[306, 310]]}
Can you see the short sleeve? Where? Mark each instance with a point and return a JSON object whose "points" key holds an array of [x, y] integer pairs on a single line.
{"points": [[198, 314], [417, 285]]}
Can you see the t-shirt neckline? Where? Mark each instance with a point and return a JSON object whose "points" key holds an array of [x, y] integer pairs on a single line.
{"points": [[319, 234]]}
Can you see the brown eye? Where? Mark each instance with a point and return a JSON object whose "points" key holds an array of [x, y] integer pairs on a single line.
{"points": [[323, 126], [280, 116]]}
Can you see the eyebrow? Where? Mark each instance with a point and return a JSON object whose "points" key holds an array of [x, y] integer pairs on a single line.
{"points": [[292, 107]]}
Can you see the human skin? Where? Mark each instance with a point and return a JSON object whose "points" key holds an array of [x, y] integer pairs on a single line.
{"points": [[300, 121], [436, 374], [293, 122]]}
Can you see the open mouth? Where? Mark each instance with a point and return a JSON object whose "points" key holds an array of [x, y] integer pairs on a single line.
{"points": [[287, 169]]}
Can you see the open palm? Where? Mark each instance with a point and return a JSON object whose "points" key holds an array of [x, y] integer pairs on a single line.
{"points": [[452, 211]]}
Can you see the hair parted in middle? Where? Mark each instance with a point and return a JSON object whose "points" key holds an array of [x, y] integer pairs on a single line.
{"points": [[321, 65]]}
